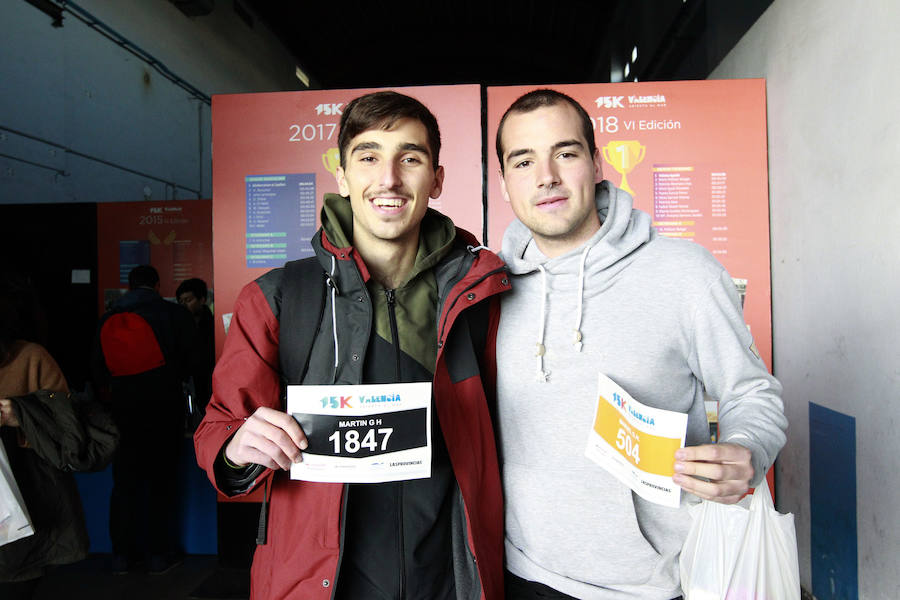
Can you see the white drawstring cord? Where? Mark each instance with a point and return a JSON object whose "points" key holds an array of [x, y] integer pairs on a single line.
{"points": [[334, 315], [542, 375], [578, 335]]}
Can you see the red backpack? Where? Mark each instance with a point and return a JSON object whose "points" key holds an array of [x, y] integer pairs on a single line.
{"points": [[129, 345]]}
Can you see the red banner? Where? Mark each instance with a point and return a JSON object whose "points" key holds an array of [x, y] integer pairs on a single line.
{"points": [[174, 236], [274, 157], [694, 156]]}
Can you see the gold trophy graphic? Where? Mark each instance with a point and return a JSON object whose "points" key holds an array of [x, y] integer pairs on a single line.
{"points": [[624, 156], [331, 159]]}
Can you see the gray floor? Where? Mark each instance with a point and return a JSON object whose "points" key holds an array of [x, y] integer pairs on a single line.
{"points": [[198, 577]]}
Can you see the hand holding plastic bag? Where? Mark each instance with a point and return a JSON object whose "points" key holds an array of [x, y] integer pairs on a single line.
{"points": [[14, 520], [744, 551]]}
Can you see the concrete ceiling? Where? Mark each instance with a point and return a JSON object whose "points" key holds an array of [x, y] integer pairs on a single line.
{"points": [[375, 43]]}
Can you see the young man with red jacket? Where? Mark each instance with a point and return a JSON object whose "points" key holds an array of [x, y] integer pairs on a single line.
{"points": [[411, 298]]}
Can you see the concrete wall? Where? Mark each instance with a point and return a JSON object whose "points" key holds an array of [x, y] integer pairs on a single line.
{"points": [[834, 171], [79, 114]]}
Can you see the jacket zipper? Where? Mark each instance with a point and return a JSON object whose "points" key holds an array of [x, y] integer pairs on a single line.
{"points": [[395, 336], [390, 296]]}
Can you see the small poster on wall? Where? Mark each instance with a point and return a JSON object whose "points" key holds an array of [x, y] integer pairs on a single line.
{"points": [[173, 236]]}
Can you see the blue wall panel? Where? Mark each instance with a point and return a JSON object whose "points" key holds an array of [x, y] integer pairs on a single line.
{"points": [[832, 499], [197, 506]]}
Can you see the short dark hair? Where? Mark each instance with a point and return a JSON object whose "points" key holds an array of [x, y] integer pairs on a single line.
{"points": [[142, 276], [194, 285], [536, 99], [382, 110]]}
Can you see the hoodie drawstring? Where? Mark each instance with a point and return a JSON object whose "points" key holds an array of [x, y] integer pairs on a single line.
{"points": [[334, 317], [542, 375], [578, 336], [541, 350]]}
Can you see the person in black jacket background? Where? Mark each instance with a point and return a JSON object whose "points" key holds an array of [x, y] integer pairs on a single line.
{"points": [[147, 404], [193, 295]]}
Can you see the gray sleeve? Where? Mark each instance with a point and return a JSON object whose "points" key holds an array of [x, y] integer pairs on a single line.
{"points": [[725, 359]]}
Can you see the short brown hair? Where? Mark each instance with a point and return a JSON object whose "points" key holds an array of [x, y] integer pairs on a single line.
{"points": [[382, 110], [536, 99]]}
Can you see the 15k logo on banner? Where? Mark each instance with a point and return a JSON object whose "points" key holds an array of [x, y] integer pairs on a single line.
{"points": [[363, 433]]}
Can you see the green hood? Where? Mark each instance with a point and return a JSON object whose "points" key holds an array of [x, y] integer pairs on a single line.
{"points": [[436, 233], [417, 297]]}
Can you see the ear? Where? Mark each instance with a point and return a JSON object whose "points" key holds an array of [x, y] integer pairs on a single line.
{"points": [[341, 181], [438, 184], [598, 166], [503, 185]]}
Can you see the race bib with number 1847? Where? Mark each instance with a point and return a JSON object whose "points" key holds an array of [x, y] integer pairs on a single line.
{"points": [[363, 433]]}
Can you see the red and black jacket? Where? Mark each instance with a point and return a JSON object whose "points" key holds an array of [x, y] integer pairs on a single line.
{"points": [[308, 521]]}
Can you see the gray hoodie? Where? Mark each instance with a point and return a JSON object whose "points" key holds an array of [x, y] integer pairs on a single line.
{"points": [[660, 317]]}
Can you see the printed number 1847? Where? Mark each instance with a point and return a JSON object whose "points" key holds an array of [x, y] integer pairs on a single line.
{"points": [[352, 443]]}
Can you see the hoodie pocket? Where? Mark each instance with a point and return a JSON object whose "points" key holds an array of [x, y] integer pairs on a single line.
{"points": [[579, 523]]}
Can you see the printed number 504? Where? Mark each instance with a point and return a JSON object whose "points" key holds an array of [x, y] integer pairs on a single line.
{"points": [[628, 446], [352, 443]]}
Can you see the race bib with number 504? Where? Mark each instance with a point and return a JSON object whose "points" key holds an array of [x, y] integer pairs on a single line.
{"points": [[363, 433], [636, 443]]}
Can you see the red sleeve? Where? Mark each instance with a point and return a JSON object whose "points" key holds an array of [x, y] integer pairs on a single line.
{"points": [[245, 378]]}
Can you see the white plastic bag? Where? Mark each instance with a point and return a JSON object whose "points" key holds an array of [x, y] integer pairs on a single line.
{"points": [[14, 520], [743, 551]]}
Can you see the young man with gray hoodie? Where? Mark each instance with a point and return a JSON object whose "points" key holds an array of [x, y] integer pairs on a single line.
{"points": [[597, 289]]}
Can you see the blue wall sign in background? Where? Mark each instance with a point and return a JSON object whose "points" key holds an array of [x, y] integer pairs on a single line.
{"points": [[131, 254], [281, 218]]}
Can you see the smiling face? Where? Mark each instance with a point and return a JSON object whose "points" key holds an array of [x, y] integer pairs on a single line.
{"points": [[549, 176], [389, 178]]}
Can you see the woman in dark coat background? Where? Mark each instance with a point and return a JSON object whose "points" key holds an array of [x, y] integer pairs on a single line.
{"points": [[46, 433]]}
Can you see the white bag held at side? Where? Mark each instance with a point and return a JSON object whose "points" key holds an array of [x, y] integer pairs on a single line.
{"points": [[743, 551], [14, 520]]}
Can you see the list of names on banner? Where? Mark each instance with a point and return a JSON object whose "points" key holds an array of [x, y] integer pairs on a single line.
{"points": [[691, 201], [281, 217]]}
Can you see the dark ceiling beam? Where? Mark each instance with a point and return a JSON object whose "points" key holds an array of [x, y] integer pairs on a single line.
{"points": [[195, 8], [49, 8], [684, 32]]}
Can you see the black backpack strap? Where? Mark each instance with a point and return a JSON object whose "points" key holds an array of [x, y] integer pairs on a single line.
{"points": [[300, 317], [302, 305]]}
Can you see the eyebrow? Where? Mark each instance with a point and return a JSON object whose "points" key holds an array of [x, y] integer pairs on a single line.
{"points": [[554, 148], [412, 147], [363, 146], [566, 144], [407, 147], [514, 153]]}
